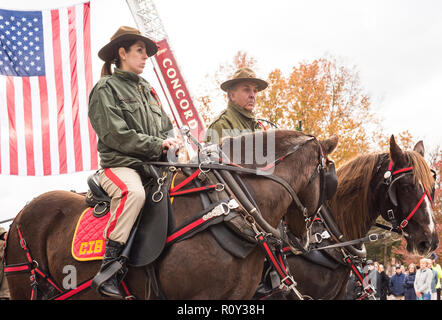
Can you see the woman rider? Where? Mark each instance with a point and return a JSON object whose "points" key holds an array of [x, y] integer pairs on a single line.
{"points": [[131, 127]]}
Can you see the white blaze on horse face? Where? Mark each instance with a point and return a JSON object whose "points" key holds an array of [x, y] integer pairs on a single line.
{"points": [[429, 211]]}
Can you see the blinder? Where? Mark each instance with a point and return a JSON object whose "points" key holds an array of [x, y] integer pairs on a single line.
{"points": [[435, 178], [330, 181], [392, 189]]}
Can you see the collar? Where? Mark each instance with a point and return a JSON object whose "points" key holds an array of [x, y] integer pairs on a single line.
{"points": [[127, 75], [240, 110]]}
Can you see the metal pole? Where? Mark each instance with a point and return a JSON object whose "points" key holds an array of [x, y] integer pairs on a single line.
{"points": [[7, 220]]}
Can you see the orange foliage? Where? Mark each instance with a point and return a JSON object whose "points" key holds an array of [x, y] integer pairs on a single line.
{"points": [[327, 98]]}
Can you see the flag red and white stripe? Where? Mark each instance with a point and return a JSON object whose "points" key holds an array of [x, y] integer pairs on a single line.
{"points": [[44, 126]]}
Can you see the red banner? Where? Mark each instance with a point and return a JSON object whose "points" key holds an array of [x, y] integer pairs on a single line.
{"points": [[182, 104]]}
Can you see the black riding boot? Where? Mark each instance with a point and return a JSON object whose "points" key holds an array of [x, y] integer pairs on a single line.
{"points": [[111, 286]]}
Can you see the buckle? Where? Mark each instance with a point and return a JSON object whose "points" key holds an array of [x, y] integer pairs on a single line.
{"points": [[289, 278], [390, 214], [403, 224], [321, 236]]}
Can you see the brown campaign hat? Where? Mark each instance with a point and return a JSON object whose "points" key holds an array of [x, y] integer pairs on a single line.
{"points": [[243, 74], [109, 51]]}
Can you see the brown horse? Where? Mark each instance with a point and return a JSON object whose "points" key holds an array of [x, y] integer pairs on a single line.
{"points": [[195, 268], [363, 194]]}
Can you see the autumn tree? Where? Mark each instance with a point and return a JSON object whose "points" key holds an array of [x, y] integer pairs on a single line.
{"points": [[327, 98]]}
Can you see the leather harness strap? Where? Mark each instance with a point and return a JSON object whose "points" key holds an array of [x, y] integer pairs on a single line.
{"points": [[33, 268]]}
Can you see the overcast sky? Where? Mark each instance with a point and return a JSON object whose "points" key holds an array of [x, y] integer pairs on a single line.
{"points": [[395, 45]]}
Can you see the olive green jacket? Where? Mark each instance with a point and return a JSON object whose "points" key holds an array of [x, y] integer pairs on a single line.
{"points": [[233, 121], [129, 122]]}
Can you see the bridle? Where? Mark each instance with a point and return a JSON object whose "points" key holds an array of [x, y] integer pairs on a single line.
{"points": [[391, 177], [319, 170]]}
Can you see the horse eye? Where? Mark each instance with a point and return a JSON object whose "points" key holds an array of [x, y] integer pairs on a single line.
{"points": [[408, 187]]}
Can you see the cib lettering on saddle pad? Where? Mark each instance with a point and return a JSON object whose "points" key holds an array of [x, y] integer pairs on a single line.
{"points": [[88, 242]]}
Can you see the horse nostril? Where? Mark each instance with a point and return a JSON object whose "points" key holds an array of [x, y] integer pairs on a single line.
{"points": [[435, 245], [423, 246]]}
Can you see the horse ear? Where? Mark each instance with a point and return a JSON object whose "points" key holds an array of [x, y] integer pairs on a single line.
{"points": [[419, 148], [396, 153], [328, 145]]}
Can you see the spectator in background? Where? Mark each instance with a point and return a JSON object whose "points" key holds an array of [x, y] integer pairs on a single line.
{"points": [[397, 287], [372, 276], [422, 282], [384, 282], [436, 267], [410, 294], [403, 269]]}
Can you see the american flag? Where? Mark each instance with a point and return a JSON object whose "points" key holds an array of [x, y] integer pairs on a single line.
{"points": [[45, 80]]}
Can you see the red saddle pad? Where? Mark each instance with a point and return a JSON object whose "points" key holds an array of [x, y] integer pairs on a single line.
{"points": [[88, 242]]}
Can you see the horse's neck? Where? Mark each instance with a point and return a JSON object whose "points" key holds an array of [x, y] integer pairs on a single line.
{"points": [[354, 228], [356, 212], [272, 199]]}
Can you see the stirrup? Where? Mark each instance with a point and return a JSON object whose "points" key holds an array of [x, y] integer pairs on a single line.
{"points": [[106, 274]]}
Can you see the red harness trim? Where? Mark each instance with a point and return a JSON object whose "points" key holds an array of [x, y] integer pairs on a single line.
{"points": [[367, 289], [178, 193], [279, 266], [185, 181], [355, 270], [184, 230], [429, 197], [33, 268], [402, 170], [407, 219], [18, 268], [404, 222], [73, 292], [174, 191]]}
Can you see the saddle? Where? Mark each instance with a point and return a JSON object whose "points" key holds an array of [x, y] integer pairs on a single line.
{"points": [[96, 197]]}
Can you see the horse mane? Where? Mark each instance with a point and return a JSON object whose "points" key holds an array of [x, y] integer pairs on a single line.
{"points": [[421, 171], [351, 205], [352, 202]]}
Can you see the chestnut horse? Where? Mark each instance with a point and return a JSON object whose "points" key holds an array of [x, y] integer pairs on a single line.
{"points": [[195, 268], [364, 192]]}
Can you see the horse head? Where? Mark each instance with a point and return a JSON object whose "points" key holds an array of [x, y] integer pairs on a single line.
{"points": [[316, 182], [409, 184], [296, 160]]}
